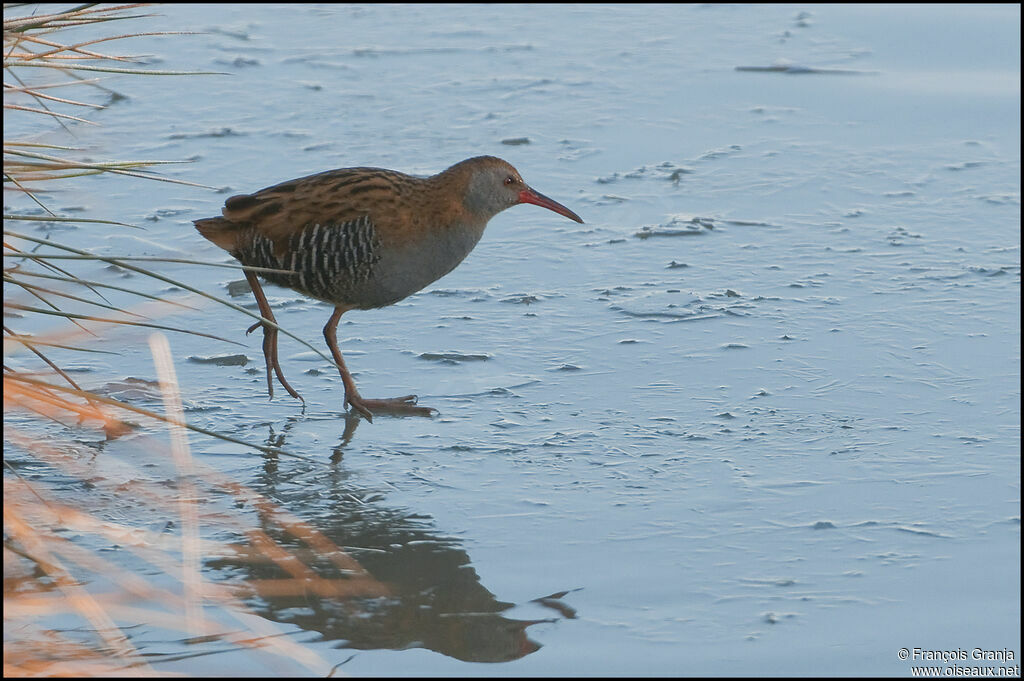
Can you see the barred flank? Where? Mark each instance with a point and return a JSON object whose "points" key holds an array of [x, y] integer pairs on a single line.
{"points": [[325, 259]]}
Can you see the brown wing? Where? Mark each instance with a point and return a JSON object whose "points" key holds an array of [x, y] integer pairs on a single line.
{"points": [[284, 210]]}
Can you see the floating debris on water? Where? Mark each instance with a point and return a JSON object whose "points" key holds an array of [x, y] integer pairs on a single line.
{"points": [[786, 66], [566, 367], [521, 299], [131, 388], [965, 165], [899, 235], [678, 173], [673, 316], [238, 288], [222, 132], [994, 271], [745, 223], [691, 227], [516, 141], [720, 153], [665, 170], [463, 292], [221, 360], [453, 357]]}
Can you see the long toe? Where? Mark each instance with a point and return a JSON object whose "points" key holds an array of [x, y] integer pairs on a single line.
{"points": [[359, 405], [404, 399], [398, 406]]}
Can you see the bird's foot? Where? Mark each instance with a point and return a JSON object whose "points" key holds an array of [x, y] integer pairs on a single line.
{"points": [[405, 406], [270, 357]]}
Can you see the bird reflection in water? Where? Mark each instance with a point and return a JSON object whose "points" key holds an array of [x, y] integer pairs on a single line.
{"points": [[390, 580]]}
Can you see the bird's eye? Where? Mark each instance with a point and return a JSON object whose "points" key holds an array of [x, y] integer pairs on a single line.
{"points": [[510, 180]]}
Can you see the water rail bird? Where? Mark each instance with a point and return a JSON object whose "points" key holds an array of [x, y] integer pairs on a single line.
{"points": [[363, 238]]}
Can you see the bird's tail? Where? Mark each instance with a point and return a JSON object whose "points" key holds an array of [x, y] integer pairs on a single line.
{"points": [[220, 231]]}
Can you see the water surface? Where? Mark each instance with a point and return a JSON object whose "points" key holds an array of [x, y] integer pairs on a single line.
{"points": [[759, 415]]}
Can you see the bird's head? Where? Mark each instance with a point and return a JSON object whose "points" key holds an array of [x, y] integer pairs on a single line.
{"points": [[494, 185]]}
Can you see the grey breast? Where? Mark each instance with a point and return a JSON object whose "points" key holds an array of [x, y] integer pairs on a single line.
{"points": [[405, 270]]}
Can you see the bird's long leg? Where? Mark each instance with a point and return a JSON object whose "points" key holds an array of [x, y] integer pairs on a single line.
{"points": [[269, 337], [402, 405]]}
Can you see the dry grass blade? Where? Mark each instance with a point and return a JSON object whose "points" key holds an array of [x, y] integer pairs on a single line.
{"points": [[16, 382], [53, 307], [30, 343], [356, 583], [84, 14], [20, 269], [57, 218], [47, 401], [38, 353], [41, 145], [54, 163], [95, 166], [102, 320], [99, 284], [77, 48], [25, 190], [49, 97], [204, 294], [74, 593], [33, 287], [119, 260], [53, 98], [51, 534], [41, 526], [26, 48], [187, 497], [16, 107], [109, 69]]}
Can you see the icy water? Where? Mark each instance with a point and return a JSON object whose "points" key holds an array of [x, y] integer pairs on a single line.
{"points": [[759, 415]]}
